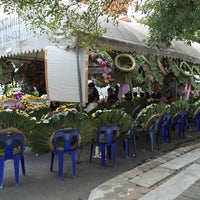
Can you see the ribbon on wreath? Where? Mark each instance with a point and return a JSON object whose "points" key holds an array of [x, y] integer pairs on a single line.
{"points": [[187, 90], [104, 65]]}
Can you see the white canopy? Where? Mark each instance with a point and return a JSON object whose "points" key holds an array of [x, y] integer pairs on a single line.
{"points": [[132, 36], [18, 41]]}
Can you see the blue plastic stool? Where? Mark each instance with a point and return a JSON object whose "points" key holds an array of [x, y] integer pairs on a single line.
{"points": [[164, 126], [126, 142], [65, 141], [136, 111], [197, 119], [180, 123], [106, 139], [152, 131], [13, 148]]}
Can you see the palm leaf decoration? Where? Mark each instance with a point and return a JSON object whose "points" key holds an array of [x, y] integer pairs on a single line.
{"points": [[179, 106], [130, 106], [39, 113], [114, 116], [16, 120], [39, 137], [146, 113], [153, 68], [193, 109]]}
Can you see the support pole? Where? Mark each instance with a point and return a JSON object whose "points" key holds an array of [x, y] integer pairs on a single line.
{"points": [[79, 78]]}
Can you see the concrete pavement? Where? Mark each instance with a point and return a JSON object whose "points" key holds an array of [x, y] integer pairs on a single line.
{"points": [[175, 175], [142, 176]]}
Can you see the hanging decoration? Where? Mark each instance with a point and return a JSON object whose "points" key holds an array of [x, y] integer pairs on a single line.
{"points": [[161, 67], [31, 77], [188, 70], [124, 62], [100, 64], [6, 72], [187, 90]]}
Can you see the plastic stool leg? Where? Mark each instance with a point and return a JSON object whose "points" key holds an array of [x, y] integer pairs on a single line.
{"points": [[164, 134], [52, 160], [102, 150], [198, 124], [1, 172], [73, 158], [134, 145], [60, 165], [16, 169], [113, 154], [91, 151], [23, 166], [126, 142]]}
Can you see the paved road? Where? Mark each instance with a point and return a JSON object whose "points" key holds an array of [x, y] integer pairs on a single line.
{"points": [[175, 175], [41, 184]]}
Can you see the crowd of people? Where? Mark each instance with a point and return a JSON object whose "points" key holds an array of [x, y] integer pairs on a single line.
{"points": [[112, 97]]}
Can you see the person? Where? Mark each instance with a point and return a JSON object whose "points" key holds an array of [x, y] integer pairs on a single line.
{"points": [[135, 95], [112, 96], [161, 98], [93, 98], [93, 93], [116, 89], [128, 96], [54, 105]]}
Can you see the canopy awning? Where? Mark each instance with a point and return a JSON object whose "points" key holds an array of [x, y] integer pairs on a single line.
{"points": [[18, 41], [132, 36]]}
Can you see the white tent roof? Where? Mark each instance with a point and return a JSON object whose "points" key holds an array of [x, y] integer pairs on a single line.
{"points": [[131, 36], [18, 41]]}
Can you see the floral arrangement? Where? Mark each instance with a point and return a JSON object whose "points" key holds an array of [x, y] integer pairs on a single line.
{"points": [[31, 77], [102, 60], [146, 113], [32, 102], [6, 71], [192, 111], [178, 106], [114, 116], [16, 119], [60, 119]]}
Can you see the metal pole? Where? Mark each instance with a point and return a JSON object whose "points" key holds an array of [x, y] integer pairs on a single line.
{"points": [[79, 78]]}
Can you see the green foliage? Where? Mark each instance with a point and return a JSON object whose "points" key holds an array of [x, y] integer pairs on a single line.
{"points": [[130, 106], [179, 106], [146, 113], [37, 114], [12, 119], [172, 19], [39, 137], [192, 109], [72, 20], [150, 67], [41, 132], [114, 116]]}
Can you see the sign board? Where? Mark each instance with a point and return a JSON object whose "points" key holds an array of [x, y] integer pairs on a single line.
{"points": [[62, 80]]}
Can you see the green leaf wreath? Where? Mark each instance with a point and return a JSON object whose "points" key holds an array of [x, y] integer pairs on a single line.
{"points": [[146, 113], [40, 134]]}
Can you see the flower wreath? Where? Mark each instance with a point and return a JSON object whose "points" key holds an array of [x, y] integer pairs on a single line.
{"points": [[102, 59]]}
